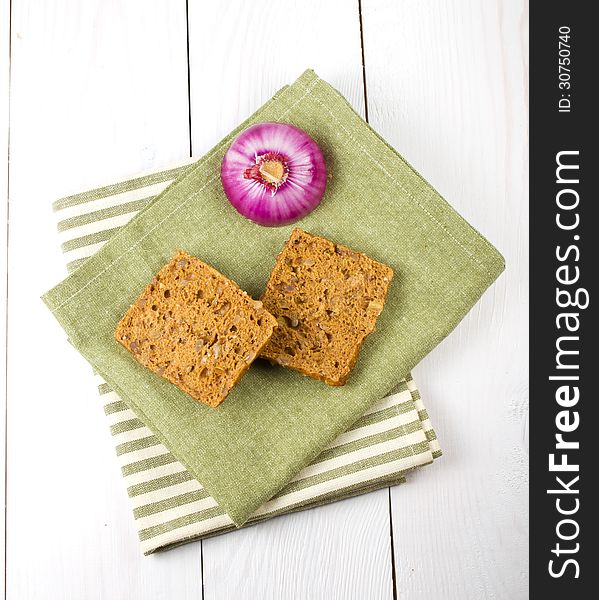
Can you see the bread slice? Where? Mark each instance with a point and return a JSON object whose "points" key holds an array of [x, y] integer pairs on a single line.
{"points": [[196, 328], [327, 299]]}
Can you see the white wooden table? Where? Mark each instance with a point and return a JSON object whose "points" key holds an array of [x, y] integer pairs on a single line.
{"points": [[105, 88]]}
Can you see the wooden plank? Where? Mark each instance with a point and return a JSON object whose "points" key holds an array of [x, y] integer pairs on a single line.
{"points": [[341, 550], [446, 86], [4, 116], [240, 54], [99, 90]]}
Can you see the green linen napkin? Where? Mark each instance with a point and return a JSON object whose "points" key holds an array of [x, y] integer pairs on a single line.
{"points": [[276, 422], [170, 507]]}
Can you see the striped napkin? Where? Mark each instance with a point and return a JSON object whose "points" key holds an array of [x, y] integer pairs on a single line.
{"points": [[170, 506]]}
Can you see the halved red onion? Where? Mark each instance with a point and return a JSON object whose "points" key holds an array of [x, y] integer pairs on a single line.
{"points": [[274, 173]]}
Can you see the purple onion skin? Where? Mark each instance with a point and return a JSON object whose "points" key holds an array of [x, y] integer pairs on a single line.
{"points": [[281, 202]]}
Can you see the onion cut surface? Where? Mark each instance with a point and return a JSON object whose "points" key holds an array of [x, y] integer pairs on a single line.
{"points": [[274, 174]]}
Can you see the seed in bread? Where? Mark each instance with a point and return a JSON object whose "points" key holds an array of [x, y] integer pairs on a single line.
{"points": [[326, 299], [196, 328]]}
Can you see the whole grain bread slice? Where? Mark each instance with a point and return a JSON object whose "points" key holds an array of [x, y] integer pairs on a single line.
{"points": [[196, 328], [327, 299]]}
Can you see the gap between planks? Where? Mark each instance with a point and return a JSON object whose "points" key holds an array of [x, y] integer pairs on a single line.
{"points": [[392, 541]]}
